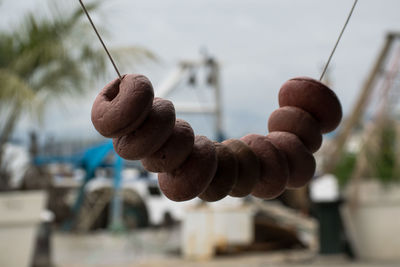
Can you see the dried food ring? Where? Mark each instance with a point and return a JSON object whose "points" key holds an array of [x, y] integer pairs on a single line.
{"points": [[274, 169], [225, 176], [151, 135], [122, 105], [299, 159], [315, 98], [194, 175], [299, 122], [174, 151], [248, 168]]}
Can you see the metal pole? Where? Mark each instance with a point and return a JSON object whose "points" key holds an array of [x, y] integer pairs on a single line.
{"points": [[117, 202], [218, 102]]}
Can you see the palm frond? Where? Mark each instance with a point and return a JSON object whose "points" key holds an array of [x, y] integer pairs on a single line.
{"points": [[12, 87], [44, 58]]}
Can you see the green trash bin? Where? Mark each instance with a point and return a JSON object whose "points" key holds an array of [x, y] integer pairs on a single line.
{"points": [[331, 236]]}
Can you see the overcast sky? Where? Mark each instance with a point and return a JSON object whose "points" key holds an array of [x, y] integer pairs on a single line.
{"points": [[260, 44]]}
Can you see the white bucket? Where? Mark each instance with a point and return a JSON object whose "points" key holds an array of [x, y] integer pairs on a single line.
{"points": [[372, 223], [19, 219]]}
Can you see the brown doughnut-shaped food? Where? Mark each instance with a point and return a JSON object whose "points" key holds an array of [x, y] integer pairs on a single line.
{"points": [[122, 105], [225, 176], [313, 97], [300, 160], [273, 167], [151, 135], [194, 175], [175, 150], [249, 168], [299, 122]]}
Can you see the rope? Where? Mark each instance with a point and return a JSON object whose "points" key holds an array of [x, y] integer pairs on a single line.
{"points": [[338, 40], [101, 40], [323, 72]]}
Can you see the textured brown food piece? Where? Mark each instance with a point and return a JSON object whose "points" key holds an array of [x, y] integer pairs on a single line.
{"points": [[122, 106], [175, 150], [315, 98], [151, 135], [300, 160], [249, 168], [194, 175], [225, 176], [299, 122], [274, 169]]}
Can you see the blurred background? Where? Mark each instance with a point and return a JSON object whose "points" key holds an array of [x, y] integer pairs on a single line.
{"points": [[66, 199]]}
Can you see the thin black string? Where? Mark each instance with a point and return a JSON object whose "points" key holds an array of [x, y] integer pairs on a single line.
{"points": [[337, 41], [101, 40]]}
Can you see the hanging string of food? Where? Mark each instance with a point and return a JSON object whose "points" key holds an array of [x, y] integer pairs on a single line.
{"points": [[145, 128]]}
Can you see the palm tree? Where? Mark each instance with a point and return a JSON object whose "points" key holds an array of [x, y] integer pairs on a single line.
{"points": [[42, 59]]}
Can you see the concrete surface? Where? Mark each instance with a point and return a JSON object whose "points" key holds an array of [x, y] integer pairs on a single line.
{"points": [[157, 247]]}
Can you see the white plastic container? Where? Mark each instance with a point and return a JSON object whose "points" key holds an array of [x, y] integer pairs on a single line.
{"points": [[372, 221], [19, 219], [206, 228]]}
